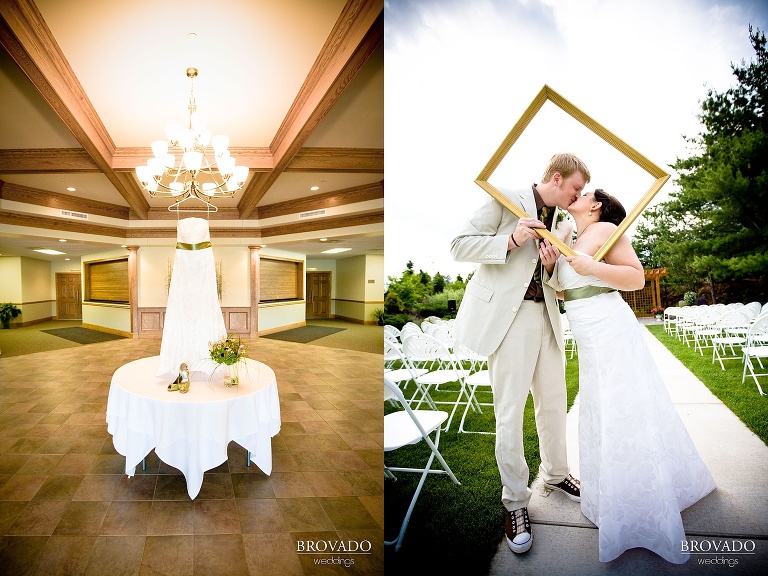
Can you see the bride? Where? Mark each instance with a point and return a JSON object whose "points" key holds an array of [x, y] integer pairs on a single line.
{"points": [[639, 467]]}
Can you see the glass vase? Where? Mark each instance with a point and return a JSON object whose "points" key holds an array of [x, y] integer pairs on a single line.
{"points": [[233, 374]]}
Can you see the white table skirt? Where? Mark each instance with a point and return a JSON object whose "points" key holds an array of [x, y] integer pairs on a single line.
{"points": [[191, 431]]}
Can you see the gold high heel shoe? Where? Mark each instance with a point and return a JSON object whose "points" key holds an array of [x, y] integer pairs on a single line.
{"points": [[182, 380], [184, 375]]}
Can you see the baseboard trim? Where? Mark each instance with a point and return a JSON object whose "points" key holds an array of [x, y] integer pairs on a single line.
{"points": [[281, 328], [108, 330]]}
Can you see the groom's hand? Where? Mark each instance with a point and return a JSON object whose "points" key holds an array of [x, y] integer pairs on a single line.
{"points": [[525, 230]]}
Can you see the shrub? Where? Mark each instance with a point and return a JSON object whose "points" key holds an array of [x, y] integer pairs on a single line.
{"points": [[437, 304], [393, 304], [398, 320]]}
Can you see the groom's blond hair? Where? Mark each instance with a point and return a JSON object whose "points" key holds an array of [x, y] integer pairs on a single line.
{"points": [[566, 164]]}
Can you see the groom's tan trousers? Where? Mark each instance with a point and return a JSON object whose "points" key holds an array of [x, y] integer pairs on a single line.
{"points": [[528, 358]]}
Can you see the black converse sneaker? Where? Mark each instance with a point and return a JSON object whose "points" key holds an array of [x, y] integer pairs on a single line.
{"points": [[518, 531], [569, 486]]}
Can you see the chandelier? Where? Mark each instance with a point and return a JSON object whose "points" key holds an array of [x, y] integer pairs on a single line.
{"points": [[204, 171]]}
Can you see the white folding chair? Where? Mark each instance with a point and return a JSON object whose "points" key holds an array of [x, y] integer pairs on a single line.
{"points": [[409, 328], [406, 427], [688, 325], [755, 307], [444, 333], [756, 348], [406, 373], [733, 327], [391, 331], [684, 314], [424, 351], [479, 379], [465, 355], [704, 328], [568, 340], [390, 357]]}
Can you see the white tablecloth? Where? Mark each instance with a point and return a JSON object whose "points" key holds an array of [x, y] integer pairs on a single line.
{"points": [[191, 431]]}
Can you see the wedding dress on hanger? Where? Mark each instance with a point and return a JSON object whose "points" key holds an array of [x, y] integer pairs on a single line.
{"points": [[193, 315]]}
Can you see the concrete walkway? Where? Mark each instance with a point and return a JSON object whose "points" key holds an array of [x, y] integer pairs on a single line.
{"points": [[565, 542]]}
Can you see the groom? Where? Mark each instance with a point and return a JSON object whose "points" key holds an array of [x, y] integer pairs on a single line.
{"points": [[509, 315]]}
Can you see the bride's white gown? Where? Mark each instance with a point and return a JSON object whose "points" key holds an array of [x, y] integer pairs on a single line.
{"points": [[193, 315], [639, 467]]}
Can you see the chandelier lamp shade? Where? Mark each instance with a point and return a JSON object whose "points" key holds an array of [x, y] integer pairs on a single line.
{"points": [[191, 165]]}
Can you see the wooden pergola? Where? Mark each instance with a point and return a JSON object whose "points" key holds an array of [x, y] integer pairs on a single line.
{"points": [[642, 301]]}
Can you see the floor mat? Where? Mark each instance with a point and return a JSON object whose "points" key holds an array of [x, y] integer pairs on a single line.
{"points": [[82, 335], [304, 334]]}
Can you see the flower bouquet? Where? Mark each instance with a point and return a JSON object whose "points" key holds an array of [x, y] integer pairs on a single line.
{"points": [[229, 351], [658, 312]]}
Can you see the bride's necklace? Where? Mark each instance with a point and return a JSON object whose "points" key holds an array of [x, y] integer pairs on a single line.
{"points": [[580, 232]]}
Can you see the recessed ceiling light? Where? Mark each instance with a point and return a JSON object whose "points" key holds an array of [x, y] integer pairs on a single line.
{"points": [[315, 188], [49, 252], [67, 258], [62, 240], [71, 189], [323, 239], [124, 246], [335, 250]]}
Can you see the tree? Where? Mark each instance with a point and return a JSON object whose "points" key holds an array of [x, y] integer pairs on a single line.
{"points": [[438, 283], [715, 227]]}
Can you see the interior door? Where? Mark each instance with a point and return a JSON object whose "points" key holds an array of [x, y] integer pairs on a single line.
{"points": [[69, 302], [318, 294]]}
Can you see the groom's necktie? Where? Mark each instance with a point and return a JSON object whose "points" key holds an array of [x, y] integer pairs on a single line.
{"points": [[535, 290]]}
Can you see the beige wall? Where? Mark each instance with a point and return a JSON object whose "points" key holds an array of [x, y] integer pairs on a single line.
{"points": [[374, 285], [356, 298], [26, 282], [10, 279], [36, 290]]}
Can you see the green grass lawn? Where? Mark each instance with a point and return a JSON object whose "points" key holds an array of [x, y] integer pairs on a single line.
{"points": [[458, 528], [743, 399]]}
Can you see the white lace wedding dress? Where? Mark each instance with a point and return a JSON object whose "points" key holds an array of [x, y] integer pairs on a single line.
{"points": [[639, 467], [193, 314]]}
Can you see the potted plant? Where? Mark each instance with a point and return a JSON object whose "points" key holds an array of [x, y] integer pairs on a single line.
{"points": [[378, 313], [658, 312], [7, 312]]}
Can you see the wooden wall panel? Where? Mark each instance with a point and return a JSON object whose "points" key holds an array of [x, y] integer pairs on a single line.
{"points": [[107, 281], [281, 279]]}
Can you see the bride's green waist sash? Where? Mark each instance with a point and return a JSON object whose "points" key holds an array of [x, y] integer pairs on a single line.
{"points": [[198, 246], [585, 292]]}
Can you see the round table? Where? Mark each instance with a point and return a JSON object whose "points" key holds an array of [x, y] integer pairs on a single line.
{"points": [[191, 431]]}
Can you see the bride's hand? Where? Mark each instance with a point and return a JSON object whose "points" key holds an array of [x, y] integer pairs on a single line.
{"points": [[583, 265]]}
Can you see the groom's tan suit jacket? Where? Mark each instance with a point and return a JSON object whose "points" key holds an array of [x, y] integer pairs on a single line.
{"points": [[494, 294]]}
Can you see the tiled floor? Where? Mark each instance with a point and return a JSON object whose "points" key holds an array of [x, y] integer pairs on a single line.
{"points": [[66, 506]]}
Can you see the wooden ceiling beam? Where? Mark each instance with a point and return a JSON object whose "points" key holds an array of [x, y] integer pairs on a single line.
{"points": [[360, 160], [357, 33], [26, 37], [257, 159], [344, 197], [46, 160]]}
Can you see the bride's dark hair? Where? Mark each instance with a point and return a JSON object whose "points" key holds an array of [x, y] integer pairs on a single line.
{"points": [[611, 209]]}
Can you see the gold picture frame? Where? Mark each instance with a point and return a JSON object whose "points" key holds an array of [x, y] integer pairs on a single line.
{"points": [[541, 98]]}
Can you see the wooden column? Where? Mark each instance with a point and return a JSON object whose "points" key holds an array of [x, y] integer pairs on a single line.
{"points": [[255, 289], [133, 288]]}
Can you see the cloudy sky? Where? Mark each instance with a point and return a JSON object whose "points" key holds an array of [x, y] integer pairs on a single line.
{"points": [[459, 73]]}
